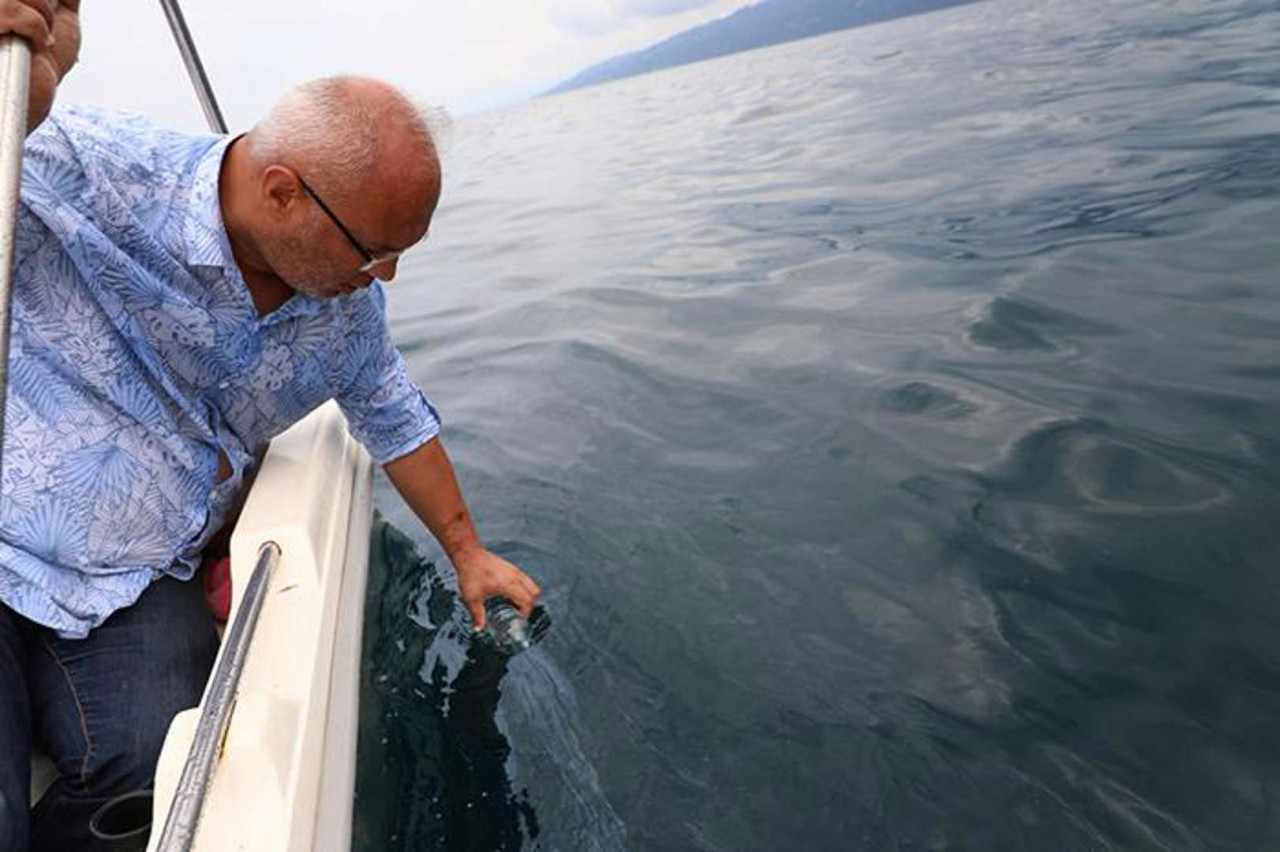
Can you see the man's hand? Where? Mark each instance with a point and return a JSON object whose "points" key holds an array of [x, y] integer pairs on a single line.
{"points": [[425, 479], [53, 30], [483, 575]]}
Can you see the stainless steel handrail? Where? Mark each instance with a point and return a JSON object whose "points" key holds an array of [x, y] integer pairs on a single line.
{"points": [[219, 698], [188, 799], [15, 66], [195, 68]]}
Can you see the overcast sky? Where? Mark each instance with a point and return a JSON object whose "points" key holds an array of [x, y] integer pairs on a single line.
{"points": [[464, 55]]}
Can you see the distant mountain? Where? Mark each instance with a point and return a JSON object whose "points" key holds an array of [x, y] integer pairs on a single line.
{"points": [[766, 23]]}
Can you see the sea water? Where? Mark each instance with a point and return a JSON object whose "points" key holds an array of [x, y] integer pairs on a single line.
{"points": [[893, 422]]}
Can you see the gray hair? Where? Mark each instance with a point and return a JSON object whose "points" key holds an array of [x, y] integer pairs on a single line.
{"points": [[326, 125]]}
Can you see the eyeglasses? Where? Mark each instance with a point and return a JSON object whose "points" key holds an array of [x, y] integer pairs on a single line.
{"points": [[371, 260]]}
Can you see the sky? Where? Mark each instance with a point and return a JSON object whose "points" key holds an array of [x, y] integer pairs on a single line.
{"points": [[465, 56]]}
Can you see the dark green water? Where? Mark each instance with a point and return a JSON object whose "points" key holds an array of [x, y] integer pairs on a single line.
{"points": [[430, 703], [893, 420]]}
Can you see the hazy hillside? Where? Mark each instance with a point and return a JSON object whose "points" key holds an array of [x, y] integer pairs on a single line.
{"points": [[769, 22]]}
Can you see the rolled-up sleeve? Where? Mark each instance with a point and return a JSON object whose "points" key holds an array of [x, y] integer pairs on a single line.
{"points": [[387, 412]]}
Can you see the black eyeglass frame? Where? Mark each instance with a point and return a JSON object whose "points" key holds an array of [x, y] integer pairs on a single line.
{"points": [[371, 260]]}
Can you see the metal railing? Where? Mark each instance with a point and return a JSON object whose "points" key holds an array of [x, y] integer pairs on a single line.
{"points": [[188, 799], [195, 68], [219, 698], [15, 83]]}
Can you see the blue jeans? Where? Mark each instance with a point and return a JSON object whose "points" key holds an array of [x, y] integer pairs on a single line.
{"points": [[99, 706]]}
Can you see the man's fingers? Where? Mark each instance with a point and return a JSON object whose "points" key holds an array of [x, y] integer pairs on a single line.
{"points": [[535, 591], [27, 22], [525, 596], [476, 608], [45, 8]]}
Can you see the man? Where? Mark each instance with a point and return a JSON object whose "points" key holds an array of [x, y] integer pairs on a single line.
{"points": [[178, 301]]}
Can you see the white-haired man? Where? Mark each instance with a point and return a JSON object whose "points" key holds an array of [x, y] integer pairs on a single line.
{"points": [[180, 300]]}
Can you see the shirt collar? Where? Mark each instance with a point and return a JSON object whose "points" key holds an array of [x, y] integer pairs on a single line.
{"points": [[299, 305], [204, 233]]}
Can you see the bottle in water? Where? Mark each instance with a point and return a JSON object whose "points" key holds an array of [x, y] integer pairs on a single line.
{"points": [[510, 632]]}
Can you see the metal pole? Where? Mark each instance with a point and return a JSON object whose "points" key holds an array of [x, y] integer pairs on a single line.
{"points": [[15, 84], [188, 799], [187, 46], [219, 697]]}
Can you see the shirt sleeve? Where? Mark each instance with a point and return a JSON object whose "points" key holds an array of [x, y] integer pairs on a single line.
{"points": [[385, 409]]}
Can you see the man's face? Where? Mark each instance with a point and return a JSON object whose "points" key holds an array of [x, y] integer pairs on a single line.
{"points": [[335, 248], [305, 260]]}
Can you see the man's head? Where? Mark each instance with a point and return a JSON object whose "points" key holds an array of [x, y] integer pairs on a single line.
{"points": [[343, 176]]}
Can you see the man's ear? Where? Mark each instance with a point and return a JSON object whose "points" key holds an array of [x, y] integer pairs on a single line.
{"points": [[280, 189]]}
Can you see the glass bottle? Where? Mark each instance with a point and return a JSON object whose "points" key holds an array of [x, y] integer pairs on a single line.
{"points": [[509, 631]]}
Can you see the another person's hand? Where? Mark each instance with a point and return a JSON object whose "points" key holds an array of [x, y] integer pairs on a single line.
{"points": [[53, 30], [483, 575]]}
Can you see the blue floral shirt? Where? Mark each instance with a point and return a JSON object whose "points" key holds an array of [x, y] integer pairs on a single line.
{"points": [[137, 357]]}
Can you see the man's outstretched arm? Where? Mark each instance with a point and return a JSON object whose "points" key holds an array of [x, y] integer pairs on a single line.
{"points": [[426, 481]]}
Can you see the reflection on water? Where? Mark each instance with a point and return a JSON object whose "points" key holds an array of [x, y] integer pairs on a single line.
{"points": [[435, 767], [432, 760], [893, 420]]}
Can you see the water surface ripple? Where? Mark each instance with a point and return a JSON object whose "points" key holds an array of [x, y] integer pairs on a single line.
{"points": [[893, 419]]}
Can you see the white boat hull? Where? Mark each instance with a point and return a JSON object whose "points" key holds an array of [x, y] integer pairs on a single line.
{"points": [[285, 777]]}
